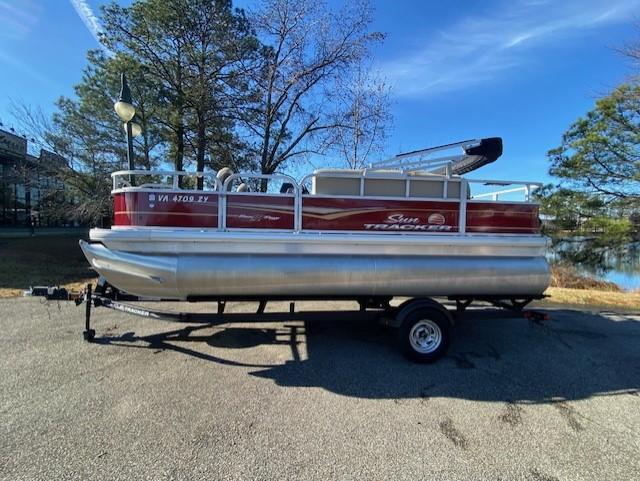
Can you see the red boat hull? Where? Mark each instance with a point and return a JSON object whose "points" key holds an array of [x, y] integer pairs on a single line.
{"points": [[276, 212]]}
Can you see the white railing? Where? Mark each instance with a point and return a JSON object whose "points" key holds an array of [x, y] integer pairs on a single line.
{"points": [[297, 201], [124, 179], [526, 187], [122, 182]]}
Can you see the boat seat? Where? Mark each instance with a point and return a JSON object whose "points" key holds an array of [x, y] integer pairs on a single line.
{"points": [[383, 183], [384, 187], [420, 186], [336, 182]]}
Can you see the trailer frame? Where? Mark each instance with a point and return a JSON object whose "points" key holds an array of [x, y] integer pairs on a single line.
{"points": [[424, 312]]}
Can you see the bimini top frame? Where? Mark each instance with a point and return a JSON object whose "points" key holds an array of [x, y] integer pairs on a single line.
{"points": [[475, 154]]}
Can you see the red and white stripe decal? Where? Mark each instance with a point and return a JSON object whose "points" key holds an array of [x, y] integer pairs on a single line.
{"points": [[177, 209]]}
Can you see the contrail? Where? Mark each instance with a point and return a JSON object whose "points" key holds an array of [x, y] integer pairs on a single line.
{"points": [[91, 21]]}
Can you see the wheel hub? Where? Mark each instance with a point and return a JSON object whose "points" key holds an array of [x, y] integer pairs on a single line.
{"points": [[425, 336]]}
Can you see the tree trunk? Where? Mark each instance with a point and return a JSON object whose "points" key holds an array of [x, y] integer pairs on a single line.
{"points": [[145, 147], [201, 146], [179, 128], [179, 161]]}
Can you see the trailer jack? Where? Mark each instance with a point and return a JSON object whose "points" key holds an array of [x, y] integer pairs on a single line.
{"points": [[88, 333]]}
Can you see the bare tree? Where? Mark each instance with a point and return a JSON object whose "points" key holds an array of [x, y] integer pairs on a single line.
{"points": [[71, 174], [363, 105], [308, 48]]}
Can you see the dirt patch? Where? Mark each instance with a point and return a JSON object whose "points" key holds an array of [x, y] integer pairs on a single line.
{"points": [[512, 415], [569, 415], [537, 475], [451, 432]]}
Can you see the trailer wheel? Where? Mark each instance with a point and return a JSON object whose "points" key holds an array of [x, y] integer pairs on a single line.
{"points": [[424, 334]]}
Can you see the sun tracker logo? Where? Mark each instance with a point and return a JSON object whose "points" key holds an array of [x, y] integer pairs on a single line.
{"points": [[436, 219], [397, 222]]}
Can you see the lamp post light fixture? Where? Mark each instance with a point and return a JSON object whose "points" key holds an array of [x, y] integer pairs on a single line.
{"points": [[126, 111], [136, 128]]}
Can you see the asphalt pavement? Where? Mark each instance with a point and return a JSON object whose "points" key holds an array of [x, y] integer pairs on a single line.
{"points": [[323, 400]]}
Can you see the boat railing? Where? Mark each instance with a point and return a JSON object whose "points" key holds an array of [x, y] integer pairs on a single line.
{"points": [[525, 187], [125, 179], [121, 180], [242, 176]]}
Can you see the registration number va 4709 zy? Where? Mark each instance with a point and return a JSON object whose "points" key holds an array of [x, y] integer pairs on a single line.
{"points": [[180, 198], [190, 198]]}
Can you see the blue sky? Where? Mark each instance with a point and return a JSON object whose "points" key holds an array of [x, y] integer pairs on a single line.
{"points": [[520, 69]]}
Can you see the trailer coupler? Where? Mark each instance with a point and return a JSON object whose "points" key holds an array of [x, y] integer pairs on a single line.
{"points": [[55, 293]]}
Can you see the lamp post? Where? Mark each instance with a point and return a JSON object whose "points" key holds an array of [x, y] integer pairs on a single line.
{"points": [[126, 111]]}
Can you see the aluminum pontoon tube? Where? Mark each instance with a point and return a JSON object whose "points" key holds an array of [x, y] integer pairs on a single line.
{"points": [[183, 275], [207, 242]]}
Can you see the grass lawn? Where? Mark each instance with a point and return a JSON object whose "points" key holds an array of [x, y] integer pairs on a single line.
{"points": [[42, 260], [593, 297]]}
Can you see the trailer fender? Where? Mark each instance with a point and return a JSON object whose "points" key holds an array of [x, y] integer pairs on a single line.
{"points": [[412, 305]]}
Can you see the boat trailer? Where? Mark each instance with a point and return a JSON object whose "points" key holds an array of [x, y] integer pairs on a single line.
{"points": [[424, 324]]}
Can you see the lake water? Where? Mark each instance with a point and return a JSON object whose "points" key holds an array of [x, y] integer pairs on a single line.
{"points": [[628, 281], [624, 269]]}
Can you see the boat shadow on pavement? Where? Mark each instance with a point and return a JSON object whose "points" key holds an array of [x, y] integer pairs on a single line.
{"points": [[494, 356]]}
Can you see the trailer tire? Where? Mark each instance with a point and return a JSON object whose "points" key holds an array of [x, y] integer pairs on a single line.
{"points": [[424, 334]]}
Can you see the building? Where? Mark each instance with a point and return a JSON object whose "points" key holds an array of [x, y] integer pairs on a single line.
{"points": [[28, 190]]}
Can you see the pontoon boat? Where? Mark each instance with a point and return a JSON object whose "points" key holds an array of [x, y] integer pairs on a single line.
{"points": [[408, 226]]}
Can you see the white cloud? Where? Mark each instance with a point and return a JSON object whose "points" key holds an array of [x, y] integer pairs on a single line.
{"points": [[14, 63], [479, 49], [18, 18], [90, 20]]}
